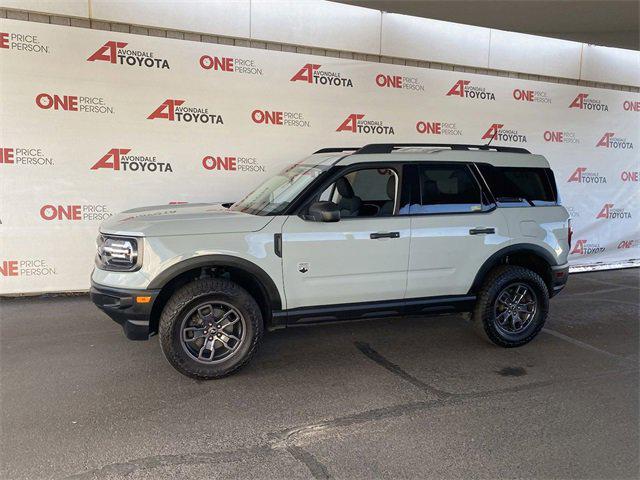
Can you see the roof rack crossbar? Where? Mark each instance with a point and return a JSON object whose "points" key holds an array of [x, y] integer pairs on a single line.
{"points": [[337, 149], [390, 147]]}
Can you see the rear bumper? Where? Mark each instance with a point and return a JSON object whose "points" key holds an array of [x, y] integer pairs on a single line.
{"points": [[123, 308], [559, 277]]}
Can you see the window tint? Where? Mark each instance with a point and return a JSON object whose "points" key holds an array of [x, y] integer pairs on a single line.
{"points": [[517, 186], [440, 188], [368, 192]]}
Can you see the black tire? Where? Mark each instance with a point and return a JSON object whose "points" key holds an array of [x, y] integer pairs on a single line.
{"points": [[500, 280], [202, 294]]}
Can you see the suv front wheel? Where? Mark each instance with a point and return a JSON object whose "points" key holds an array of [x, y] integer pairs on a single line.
{"points": [[512, 306], [210, 328]]}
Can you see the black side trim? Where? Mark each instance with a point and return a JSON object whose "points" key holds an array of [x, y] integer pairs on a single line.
{"points": [[494, 260], [385, 308], [221, 261]]}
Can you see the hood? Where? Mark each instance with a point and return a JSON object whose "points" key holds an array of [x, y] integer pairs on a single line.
{"points": [[184, 219]]}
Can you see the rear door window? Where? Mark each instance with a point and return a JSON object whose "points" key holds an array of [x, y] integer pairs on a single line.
{"points": [[440, 188], [520, 186]]}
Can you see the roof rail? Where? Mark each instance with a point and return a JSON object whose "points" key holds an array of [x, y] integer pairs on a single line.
{"points": [[337, 149], [390, 147]]}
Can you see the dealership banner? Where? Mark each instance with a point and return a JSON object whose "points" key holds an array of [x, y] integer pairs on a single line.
{"points": [[95, 122]]}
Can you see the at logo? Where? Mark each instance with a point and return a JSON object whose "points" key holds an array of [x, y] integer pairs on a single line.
{"points": [[107, 53], [458, 88], [350, 123], [584, 248], [583, 102], [604, 213], [354, 123], [166, 110], [496, 132], [111, 159], [113, 52], [117, 159], [609, 140], [172, 110], [577, 175], [311, 73], [581, 175], [305, 74], [578, 102], [493, 131], [605, 140], [609, 212], [464, 89]]}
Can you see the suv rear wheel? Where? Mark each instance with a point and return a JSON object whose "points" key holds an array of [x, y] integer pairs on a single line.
{"points": [[512, 306], [210, 328]]}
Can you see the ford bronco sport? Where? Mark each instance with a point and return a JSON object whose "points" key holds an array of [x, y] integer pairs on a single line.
{"points": [[382, 230]]}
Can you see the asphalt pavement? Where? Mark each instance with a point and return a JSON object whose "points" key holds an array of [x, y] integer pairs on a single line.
{"points": [[394, 398]]}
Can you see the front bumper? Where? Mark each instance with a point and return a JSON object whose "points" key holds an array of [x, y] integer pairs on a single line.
{"points": [[123, 308], [559, 277]]}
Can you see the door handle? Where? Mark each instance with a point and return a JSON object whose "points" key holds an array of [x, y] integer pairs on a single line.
{"points": [[482, 231], [375, 236]]}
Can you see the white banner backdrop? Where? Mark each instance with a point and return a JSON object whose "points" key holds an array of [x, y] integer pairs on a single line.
{"points": [[96, 122]]}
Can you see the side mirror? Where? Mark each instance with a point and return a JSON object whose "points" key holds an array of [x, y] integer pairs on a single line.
{"points": [[324, 212]]}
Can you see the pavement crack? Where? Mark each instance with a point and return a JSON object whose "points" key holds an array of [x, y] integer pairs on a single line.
{"points": [[317, 469], [372, 354]]}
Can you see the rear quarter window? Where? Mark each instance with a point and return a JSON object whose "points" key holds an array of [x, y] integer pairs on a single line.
{"points": [[520, 186]]}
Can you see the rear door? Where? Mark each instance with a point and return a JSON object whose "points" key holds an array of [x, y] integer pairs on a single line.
{"points": [[455, 227]]}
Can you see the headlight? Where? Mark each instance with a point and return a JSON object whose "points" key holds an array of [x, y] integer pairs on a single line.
{"points": [[120, 254]]}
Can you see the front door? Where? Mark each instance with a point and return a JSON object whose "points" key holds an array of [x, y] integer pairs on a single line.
{"points": [[361, 258]]}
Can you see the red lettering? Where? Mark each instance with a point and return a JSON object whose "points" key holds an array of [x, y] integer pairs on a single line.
{"points": [[217, 63], [70, 212], [9, 268], [524, 95], [628, 105], [434, 128], [57, 102], [7, 155], [4, 40], [557, 137], [218, 163], [626, 176], [393, 81]]}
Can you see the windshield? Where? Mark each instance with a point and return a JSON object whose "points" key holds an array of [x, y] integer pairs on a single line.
{"points": [[275, 194]]}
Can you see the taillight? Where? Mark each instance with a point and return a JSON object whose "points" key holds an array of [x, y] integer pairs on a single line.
{"points": [[570, 232]]}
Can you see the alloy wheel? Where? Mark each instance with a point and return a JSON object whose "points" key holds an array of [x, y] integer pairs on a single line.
{"points": [[515, 308]]}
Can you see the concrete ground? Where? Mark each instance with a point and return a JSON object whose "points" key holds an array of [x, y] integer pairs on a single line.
{"points": [[399, 398]]}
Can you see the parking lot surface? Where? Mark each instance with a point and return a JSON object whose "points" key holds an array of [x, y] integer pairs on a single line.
{"points": [[393, 398]]}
